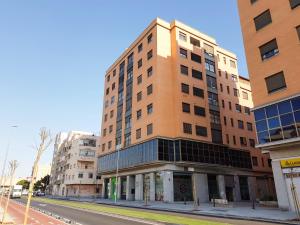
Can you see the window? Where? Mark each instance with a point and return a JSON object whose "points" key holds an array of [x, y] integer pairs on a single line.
{"points": [[114, 73], [80, 175], [209, 65], [199, 111], [138, 114], [298, 31], [232, 64], [149, 54], [128, 122], [252, 143], [187, 128], [140, 63], [235, 92], [227, 138], [186, 107], [201, 131], [254, 161], [245, 95], [138, 133], [149, 38], [220, 73], [249, 126], [270, 162], [221, 87], [231, 122], [247, 110], [112, 100], [262, 162], [240, 124], [229, 105], [110, 128], [184, 70], [129, 74], [127, 140], [107, 91], [213, 99], [294, 3], [216, 136], [234, 78], [195, 57], [225, 120], [243, 141], [226, 75], [262, 20], [238, 108], [108, 78], [182, 36], [113, 86], [211, 82], [111, 113], [215, 117], [149, 108], [105, 117], [140, 47], [223, 104], [198, 92], [104, 132], [197, 74], [185, 88], [139, 79], [103, 147], [149, 71], [149, 129], [234, 140], [195, 42], [209, 50], [90, 175], [269, 49], [228, 91], [275, 82], [183, 53], [109, 145], [139, 96], [253, 1], [149, 89]]}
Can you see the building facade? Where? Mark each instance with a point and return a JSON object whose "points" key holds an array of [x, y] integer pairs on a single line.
{"points": [[73, 171], [177, 124], [271, 32]]}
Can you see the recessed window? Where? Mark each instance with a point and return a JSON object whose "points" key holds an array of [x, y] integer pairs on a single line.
{"points": [[269, 49], [113, 86], [294, 3], [139, 96], [105, 117], [184, 70], [243, 141], [238, 108], [197, 74], [149, 54], [182, 36], [275, 82], [201, 131], [104, 132], [209, 65], [111, 113], [234, 77], [199, 111], [80, 175], [183, 53], [232, 122], [228, 90], [149, 129], [149, 71], [140, 47], [224, 60], [232, 64], [235, 92], [252, 143], [195, 42], [140, 63], [245, 95], [149, 108], [109, 146], [110, 128], [298, 31], [234, 140], [108, 78], [198, 92], [114, 73], [139, 79], [262, 20], [149, 38], [247, 110], [221, 87], [229, 105], [187, 128], [211, 82], [223, 104], [185, 88], [195, 57], [249, 126], [209, 50], [138, 114], [107, 91], [254, 161], [138, 133], [186, 107], [240, 124], [150, 89]]}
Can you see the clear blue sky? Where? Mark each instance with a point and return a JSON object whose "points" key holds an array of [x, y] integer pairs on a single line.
{"points": [[54, 54]]}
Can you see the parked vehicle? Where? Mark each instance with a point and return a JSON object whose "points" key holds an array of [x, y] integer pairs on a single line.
{"points": [[16, 191], [25, 192]]}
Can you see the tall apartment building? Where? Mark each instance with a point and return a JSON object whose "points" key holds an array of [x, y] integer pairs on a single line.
{"points": [[271, 32], [73, 171], [177, 123]]}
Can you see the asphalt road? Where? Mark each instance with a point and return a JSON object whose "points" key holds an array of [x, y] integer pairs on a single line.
{"points": [[80, 216], [89, 218]]}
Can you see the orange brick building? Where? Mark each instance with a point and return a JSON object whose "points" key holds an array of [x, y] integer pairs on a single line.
{"points": [[177, 123]]}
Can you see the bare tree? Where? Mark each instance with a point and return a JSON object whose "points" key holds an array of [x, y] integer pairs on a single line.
{"points": [[12, 169], [46, 140]]}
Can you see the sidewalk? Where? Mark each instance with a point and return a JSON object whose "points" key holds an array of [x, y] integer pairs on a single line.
{"points": [[240, 210], [8, 218]]}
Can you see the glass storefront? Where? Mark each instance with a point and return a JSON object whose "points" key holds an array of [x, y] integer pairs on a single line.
{"points": [[159, 188], [244, 188], [213, 189], [183, 190]]}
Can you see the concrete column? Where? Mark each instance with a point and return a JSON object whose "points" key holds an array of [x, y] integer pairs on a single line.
{"points": [[168, 186], [201, 186], [130, 185], [252, 186], [118, 188], [280, 186], [152, 187], [237, 189], [110, 188], [221, 186], [139, 190], [103, 189]]}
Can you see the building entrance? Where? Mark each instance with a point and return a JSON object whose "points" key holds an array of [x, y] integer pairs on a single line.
{"points": [[182, 187]]}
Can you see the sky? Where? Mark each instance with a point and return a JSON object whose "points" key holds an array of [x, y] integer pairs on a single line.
{"points": [[54, 54]]}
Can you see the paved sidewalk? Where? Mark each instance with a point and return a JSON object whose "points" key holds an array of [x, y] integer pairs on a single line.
{"points": [[8, 218], [241, 210]]}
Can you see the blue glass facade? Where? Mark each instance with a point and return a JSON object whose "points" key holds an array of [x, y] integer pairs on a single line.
{"points": [[278, 121], [160, 150]]}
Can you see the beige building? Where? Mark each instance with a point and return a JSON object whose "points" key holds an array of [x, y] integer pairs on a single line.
{"points": [[271, 32], [73, 171], [177, 123]]}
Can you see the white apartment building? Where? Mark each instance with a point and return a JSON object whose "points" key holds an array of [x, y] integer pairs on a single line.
{"points": [[73, 171]]}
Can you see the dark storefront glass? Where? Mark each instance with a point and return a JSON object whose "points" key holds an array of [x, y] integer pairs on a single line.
{"points": [[182, 187]]}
